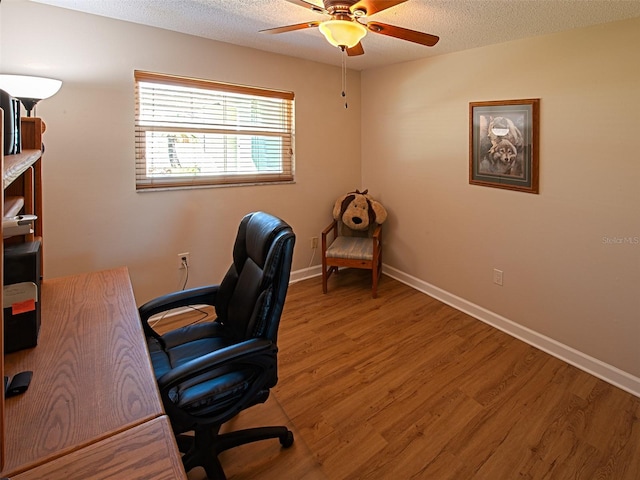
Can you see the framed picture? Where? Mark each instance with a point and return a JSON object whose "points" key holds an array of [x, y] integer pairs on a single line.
{"points": [[503, 144]]}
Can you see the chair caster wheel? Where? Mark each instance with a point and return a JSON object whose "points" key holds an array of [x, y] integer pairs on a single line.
{"points": [[287, 440]]}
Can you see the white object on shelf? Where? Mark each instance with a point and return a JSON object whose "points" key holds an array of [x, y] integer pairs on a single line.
{"points": [[18, 225]]}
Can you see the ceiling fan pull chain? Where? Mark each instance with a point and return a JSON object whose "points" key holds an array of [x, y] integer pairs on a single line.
{"points": [[344, 76]]}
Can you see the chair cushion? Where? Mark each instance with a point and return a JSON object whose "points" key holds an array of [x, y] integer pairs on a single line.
{"points": [[206, 393], [356, 248], [214, 395]]}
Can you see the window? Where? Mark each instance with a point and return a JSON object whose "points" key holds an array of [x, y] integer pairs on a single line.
{"points": [[192, 132]]}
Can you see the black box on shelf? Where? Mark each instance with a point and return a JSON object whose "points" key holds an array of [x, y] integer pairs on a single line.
{"points": [[21, 295], [12, 138]]}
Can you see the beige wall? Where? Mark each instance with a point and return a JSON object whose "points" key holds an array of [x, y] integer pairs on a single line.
{"points": [[94, 217], [561, 277]]}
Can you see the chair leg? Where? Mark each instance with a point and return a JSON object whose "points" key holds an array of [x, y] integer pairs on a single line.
{"points": [[376, 271], [250, 435], [205, 446], [374, 283], [324, 275], [374, 278], [185, 442], [203, 453]]}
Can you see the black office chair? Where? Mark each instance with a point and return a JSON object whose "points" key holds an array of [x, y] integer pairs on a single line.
{"points": [[208, 372]]}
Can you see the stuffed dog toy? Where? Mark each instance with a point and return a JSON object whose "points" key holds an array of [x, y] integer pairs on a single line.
{"points": [[358, 210]]}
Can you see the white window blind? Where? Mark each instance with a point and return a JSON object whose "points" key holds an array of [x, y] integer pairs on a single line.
{"points": [[192, 132]]}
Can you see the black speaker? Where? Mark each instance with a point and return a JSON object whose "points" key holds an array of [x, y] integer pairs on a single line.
{"points": [[12, 123], [21, 314]]}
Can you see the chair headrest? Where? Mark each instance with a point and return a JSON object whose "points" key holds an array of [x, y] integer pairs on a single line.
{"points": [[256, 234]]}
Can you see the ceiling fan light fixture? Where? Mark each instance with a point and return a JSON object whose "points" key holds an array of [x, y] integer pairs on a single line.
{"points": [[343, 33]]}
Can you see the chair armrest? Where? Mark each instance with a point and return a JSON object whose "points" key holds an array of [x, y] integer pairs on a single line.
{"points": [[247, 352], [377, 242], [193, 296], [377, 233], [256, 354], [333, 226]]}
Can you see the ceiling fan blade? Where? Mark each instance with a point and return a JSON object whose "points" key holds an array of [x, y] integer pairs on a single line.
{"points": [[374, 6], [357, 50], [403, 33], [291, 28], [309, 5]]}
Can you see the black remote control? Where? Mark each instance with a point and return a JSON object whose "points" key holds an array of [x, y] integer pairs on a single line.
{"points": [[19, 384]]}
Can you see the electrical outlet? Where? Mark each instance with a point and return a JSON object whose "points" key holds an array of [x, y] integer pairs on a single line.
{"points": [[497, 276], [183, 258], [314, 242]]}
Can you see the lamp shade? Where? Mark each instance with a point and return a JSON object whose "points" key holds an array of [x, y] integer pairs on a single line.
{"points": [[343, 33], [24, 86], [29, 90]]}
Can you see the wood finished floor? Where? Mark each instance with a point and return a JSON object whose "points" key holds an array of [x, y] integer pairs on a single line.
{"points": [[406, 387]]}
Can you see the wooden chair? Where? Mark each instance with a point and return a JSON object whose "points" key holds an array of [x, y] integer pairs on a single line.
{"points": [[344, 247]]}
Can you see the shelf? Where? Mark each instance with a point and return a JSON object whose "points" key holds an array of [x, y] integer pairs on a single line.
{"points": [[12, 206], [16, 165]]}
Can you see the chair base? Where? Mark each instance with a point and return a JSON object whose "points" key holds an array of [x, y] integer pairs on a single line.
{"points": [[203, 448]]}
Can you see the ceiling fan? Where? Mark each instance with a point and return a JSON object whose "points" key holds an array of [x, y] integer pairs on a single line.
{"points": [[345, 29]]}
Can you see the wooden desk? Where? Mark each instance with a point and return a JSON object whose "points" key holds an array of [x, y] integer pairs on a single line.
{"points": [[92, 376], [140, 453]]}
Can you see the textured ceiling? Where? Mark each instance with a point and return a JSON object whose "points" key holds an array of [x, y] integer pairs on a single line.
{"points": [[460, 24]]}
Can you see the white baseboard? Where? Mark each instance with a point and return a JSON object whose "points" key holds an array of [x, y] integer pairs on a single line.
{"points": [[305, 273], [591, 365]]}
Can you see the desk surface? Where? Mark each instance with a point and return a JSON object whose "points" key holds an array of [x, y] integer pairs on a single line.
{"points": [[92, 377], [140, 453]]}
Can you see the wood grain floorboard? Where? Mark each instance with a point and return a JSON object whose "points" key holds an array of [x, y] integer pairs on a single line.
{"points": [[406, 387]]}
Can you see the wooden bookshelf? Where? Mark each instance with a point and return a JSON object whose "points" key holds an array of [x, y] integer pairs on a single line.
{"points": [[93, 409], [1, 299], [22, 194]]}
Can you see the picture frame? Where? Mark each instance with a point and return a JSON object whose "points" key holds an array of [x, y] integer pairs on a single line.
{"points": [[503, 144]]}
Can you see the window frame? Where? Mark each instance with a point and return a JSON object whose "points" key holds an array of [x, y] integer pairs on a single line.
{"points": [[284, 130]]}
